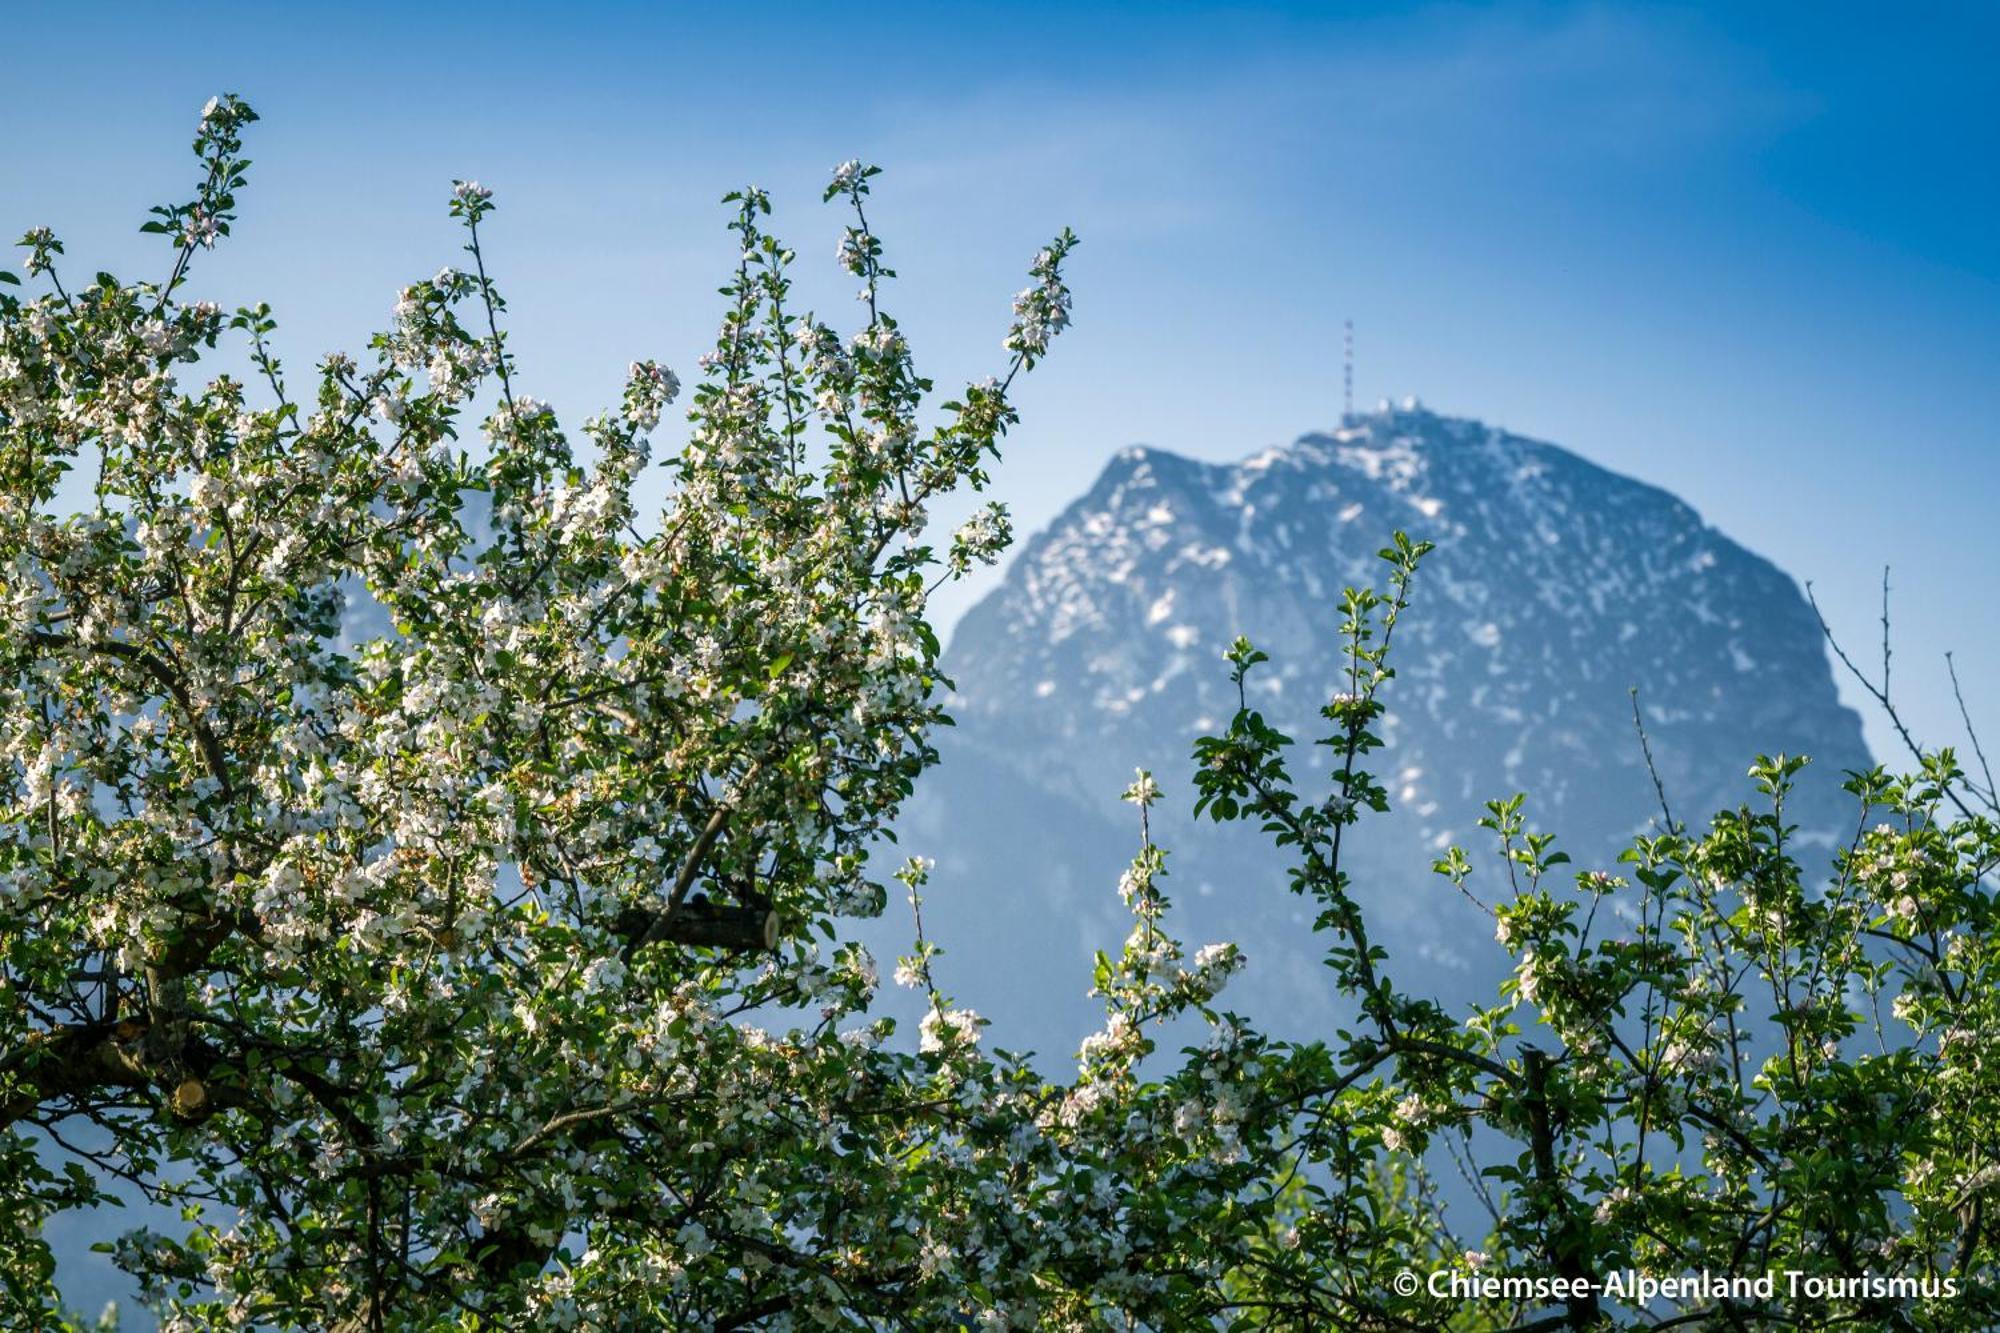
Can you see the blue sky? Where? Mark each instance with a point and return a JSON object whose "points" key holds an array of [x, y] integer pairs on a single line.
{"points": [[1744, 252]]}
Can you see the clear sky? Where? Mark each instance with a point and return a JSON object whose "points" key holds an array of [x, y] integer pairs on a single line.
{"points": [[1746, 252]]}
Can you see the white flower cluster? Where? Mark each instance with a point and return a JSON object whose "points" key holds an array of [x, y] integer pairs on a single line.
{"points": [[200, 228], [649, 388], [1691, 1053], [854, 251], [456, 369], [1143, 791], [945, 1029], [1214, 965], [1041, 311], [982, 538]]}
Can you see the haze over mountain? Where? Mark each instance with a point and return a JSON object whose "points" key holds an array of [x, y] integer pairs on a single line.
{"points": [[1556, 588]]}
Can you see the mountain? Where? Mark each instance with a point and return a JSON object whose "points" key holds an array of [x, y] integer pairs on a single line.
{"points": [[1556, 588]]}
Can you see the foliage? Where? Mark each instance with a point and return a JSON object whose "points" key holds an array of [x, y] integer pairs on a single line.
{"points": [[1691, 1071], [430, 975]]}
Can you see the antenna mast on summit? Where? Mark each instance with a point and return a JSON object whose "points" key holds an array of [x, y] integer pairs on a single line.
{"points": [[1347, 395]]}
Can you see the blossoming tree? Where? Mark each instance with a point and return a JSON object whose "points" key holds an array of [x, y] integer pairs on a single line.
{"points": [[410, 968], [490, 973]]}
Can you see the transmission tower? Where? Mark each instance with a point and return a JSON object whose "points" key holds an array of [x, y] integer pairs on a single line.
{"points": [[1347, 387]]}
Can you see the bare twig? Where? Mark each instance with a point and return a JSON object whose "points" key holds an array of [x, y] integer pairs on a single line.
{"points": [[1885, 631], [1880, 693], [1652, 770], [1992, 796]]}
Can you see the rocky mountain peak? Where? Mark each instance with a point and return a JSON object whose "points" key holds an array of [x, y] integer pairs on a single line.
{"points": [[1556, 589]]}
